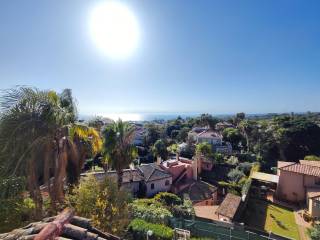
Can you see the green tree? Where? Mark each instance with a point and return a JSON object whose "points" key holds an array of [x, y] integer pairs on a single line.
{"points": [[238, 118], [118, 148], [233, 136], [204, 149], [102, 202], [207, 120], [40, 139], [183, 134], [312, 158], [159, 149], [315, 232], [153, 133], [235, 175]]}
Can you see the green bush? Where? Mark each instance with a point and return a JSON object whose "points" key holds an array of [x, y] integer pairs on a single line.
{"points": [[15, 210], [168, 198], [103, 203], [315, 232], [154, 213], [139, 228], [184, 210], [235, 175]]}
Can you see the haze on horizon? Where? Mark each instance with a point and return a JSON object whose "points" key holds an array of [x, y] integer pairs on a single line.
{"points": [[192, 56]]}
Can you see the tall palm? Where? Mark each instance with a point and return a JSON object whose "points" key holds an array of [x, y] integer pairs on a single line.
{"points": [[119, 151], [39, 139], [244, 127]]}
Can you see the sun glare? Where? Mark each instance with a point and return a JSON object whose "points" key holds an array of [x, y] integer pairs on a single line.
{"points": [[114, 29]]}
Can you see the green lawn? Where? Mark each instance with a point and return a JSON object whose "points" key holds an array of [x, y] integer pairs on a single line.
{"points": [[270, 217]]}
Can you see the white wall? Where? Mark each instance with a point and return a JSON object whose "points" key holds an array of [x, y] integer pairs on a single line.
{"points": [[159, 186]]}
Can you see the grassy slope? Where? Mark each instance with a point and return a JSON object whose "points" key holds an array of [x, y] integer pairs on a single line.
{"points": [[270, 217]]}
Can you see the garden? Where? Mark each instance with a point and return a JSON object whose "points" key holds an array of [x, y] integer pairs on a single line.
{"points": [[263, 215]]}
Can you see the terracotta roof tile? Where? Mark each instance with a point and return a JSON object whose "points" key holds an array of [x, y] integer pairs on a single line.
{"points": [[311, 163], [229, 206], [72, 227], [152, 172], [303, 169]]}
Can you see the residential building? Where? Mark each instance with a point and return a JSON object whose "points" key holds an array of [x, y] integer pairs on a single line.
{"points": [[300, 183], [139, 136], [214, 138], [229, 210], [155, 179], [223, 125], [201, 193]]}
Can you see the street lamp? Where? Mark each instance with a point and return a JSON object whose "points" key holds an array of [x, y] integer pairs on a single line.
{"points": [[149, 234]]}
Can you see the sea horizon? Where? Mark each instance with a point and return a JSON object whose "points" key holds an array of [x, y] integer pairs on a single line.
{"points": [[158, 116]]}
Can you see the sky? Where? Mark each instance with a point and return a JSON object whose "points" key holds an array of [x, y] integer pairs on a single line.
{"points": [[210, 56]]}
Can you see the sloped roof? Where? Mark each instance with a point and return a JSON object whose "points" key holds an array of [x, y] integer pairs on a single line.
{"points": [[152, 172], [311, 163], [63, 226], [303, 169], [281, 164], [313, 192], [129, 175], [229, 206], [199, 191], [209, 134]]}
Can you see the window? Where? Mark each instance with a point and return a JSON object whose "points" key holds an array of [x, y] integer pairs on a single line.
{"points": [[167, 183], [316, 203], [317, 181], [152, 185]]}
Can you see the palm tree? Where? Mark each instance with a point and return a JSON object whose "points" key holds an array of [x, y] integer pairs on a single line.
{"points": [[119, 151], [40, 139], [244, 127]]}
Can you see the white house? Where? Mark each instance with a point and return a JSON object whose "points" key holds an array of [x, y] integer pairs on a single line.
{"points": [[214, 138], [155, 179]]}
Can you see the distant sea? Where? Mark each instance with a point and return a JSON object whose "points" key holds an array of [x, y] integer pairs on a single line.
{"points": [[140, 117]]}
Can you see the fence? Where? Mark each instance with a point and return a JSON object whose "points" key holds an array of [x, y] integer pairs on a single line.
{"points": [[212, 230]]}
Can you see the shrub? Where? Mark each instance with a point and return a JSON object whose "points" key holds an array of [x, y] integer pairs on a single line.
{"points": [[168, 198], [245, 167], [15, 210], [185, 210], [103, 203], [139, 228], [235, 175], [255, 168], [312, 158], [233, 160], [154, 213], [315, 232]]}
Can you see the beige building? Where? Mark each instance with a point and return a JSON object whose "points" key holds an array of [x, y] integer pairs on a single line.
{"points": [[300, 183]]}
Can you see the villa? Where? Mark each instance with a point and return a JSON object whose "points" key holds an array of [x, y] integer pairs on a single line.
{"points": [[214, 138], [300, 183]]}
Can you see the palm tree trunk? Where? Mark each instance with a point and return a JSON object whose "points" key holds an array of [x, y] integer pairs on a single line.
{"points": [[34, 189], [120, 177]]}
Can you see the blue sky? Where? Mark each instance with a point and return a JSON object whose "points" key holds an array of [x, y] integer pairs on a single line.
{"points": [[194, 56]]}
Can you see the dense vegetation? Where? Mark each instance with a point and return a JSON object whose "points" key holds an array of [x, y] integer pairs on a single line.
{"points": [[44, 148]]}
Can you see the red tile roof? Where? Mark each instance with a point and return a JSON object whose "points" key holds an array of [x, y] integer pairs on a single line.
{"points": [[311, 163], [229, 206], [303, 169]]}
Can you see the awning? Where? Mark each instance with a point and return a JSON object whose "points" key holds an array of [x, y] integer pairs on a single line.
{"points": [[265, 177]]}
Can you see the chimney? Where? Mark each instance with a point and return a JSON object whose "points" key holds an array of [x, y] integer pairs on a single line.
{"points": [[159, 160], [177, 156]]}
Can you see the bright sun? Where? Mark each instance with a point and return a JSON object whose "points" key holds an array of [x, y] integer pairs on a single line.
{"points": [[114, 29]]}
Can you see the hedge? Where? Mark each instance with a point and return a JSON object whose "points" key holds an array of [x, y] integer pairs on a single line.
{"points": [[139, 228]]}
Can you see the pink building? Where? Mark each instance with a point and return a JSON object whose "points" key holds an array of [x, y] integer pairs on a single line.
{"points": [[300, 182]]}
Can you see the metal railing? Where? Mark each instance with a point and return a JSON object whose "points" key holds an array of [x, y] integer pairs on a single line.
{"points": [[211, 230]]}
